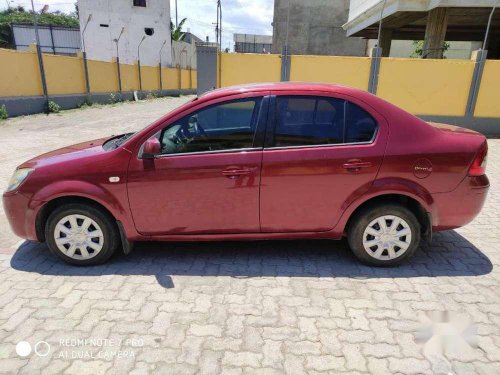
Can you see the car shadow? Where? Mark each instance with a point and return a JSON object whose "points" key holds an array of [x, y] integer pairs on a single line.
{"points": [[449, 254]]}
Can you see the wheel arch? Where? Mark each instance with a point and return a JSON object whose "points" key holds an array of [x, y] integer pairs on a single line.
{"points": [[419, 208], [50, 206]]}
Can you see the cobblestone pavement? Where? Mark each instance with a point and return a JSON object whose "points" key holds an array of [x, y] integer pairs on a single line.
{"points": [[232, 308]]}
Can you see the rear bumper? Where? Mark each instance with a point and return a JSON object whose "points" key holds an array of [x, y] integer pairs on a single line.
{"points": [[20, 214], [459, 207]]}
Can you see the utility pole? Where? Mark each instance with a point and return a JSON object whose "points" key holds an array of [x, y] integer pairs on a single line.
{"points": [[40, 57]]}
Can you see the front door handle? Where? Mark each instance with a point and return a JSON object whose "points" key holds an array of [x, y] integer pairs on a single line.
{"points": [[236, 172], [356, 165]]}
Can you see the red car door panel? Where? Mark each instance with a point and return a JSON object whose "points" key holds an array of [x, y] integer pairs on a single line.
{"points": [[307, 188], [205, 193], [207, 178]]}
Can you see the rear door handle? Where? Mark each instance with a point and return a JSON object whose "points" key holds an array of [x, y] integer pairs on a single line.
{"points": [[356, 165], [236, 172]]}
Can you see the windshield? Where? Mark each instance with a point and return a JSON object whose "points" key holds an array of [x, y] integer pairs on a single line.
{"points": [[116, 141]]}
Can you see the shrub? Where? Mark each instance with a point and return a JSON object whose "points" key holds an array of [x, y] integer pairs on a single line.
{"points": [[3, 112], [85, 104], [53, 107], [113, 98], [151, 95]]}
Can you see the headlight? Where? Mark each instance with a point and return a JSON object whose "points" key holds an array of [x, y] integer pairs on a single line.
{"points": [[18, 178]]}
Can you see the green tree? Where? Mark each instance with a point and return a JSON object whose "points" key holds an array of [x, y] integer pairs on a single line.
{"points": [[176, 33], [418, 48], [20, 15]]}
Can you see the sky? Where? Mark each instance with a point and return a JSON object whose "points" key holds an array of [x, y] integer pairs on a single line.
{"points": [[238, 16]]}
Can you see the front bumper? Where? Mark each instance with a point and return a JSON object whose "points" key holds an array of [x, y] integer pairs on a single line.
{"points": [[20, 214]]}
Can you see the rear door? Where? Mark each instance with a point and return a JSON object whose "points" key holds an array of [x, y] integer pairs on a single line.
{"points": [[321, 153]]}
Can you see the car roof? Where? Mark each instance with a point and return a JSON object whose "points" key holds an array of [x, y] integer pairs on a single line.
{"points": [[281, 86]]}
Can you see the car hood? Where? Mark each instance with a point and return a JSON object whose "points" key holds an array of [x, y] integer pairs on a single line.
{"points": [[67, 153]]}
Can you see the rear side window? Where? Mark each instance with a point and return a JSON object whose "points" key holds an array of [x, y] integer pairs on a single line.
{"points": [[360, 125], [309, 120]]}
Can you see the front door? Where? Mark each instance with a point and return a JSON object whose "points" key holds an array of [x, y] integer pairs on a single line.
{"points": [[207, 178], [323, 153]]}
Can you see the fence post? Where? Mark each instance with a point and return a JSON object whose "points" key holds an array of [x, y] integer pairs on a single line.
{"points": [[140, 75], [375, 55], [179, 78], [190, 79], [42, 73], [86, 71], [479, 57], [119, 77], [285, 64], [52, 39], [161, 82]]}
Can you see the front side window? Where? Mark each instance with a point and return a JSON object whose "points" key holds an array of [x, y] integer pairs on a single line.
{"points": [[225, 126], [309, 121]]}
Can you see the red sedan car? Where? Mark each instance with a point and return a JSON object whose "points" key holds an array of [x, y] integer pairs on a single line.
{"points": [[267, 161]]}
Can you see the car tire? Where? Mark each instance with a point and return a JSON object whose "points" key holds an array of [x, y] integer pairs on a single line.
{"points": [[376, 245], [81, 235]]}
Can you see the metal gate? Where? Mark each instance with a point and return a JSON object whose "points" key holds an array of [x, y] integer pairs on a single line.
{"points": [[206, 59]]}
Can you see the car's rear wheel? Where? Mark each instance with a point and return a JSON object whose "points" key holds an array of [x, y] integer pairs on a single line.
{"points": [[384, 235], [81, 234]]}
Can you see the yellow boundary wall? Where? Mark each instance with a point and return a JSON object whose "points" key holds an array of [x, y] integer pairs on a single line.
{"points": [[349, 71], [426, 87], [240, 68], [422, 87], [20, 75], [488, 100]]}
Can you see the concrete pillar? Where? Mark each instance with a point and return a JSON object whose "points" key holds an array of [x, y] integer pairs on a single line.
{"points": [[435, 33], [385, 42]]}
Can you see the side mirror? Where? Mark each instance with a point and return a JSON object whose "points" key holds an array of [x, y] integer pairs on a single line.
{"points": [[152, 147]]}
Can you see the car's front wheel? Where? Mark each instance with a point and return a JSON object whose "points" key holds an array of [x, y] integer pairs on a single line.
{"points": [[81, 234], [384, 235]]}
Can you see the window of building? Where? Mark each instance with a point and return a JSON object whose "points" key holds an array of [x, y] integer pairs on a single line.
{"points": [[140, 3], [308, 121], [225, 126]]}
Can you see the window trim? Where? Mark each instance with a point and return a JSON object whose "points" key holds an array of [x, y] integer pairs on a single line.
{"points": [[228, 151], [261, 113], [273, 123]]}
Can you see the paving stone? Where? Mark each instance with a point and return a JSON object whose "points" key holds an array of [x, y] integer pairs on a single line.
{"points": [[273, 307]]}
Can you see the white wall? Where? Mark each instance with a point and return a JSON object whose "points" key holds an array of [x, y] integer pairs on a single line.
{"points": [[363, 13], [121, 13], [184, 54]]}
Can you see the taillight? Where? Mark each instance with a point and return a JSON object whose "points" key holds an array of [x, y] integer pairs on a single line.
{"points": [[478, 167]]}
